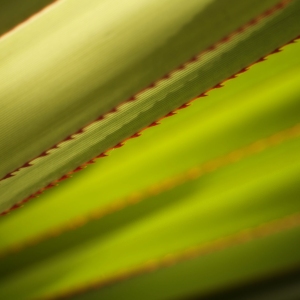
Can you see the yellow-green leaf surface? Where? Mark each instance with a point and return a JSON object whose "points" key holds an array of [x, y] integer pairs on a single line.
{"points": [[10, 17], [207, 199], [75, 62], [228, 119]]}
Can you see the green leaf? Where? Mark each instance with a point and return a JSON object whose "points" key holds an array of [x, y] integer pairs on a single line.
{"points": [[11, 17], [47, 104], [205, 202], [228, 119], [199, 211], [194, 213]]}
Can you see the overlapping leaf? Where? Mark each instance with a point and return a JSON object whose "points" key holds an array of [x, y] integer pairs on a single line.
{"points": [[42, 111], [248, 145]]}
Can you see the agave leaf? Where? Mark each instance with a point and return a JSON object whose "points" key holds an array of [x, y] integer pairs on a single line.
{"points": [[11, 17], [200, 276], [114, 50], [48, 120], [207, 200], [228, 119], [233, 197], [193, 213]]}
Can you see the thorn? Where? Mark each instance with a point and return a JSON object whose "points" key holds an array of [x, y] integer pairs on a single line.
{"points": [[226, 39], [119, 145], [153, 124], [100, 118], [77, 169], [28, 164], [184, 106], [170, 114], [212, 47], [136, 135], [45, 153], [113, 110], [293, 41], [50, 185], [79, 131], [193, 59], [217, 86], [8, 176], [68, 138], [242, 70], [261, 59], [202, 95], [131, 99], [15, 206], [276, 51], [102, 155], [252, 22], [241, 29]]}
